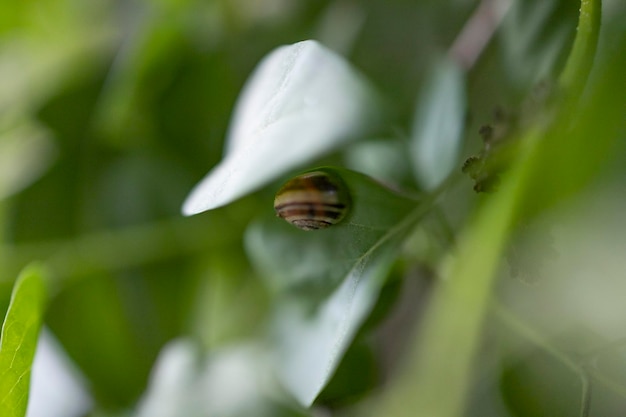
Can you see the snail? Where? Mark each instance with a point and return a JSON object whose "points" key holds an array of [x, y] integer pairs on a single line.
{"points": [[314, 200]]}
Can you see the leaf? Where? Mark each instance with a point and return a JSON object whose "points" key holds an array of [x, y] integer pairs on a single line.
{"points": [[438, 125], [19, 340], [326, 282], [302, 102], [231, 382], [57, 388]]}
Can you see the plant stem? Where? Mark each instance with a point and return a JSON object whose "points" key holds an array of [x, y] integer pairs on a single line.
{"points": [[580, 60], [478, 31], [585, 401], [115, 250]]}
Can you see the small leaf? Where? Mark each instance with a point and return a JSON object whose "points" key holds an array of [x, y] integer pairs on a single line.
{"points": [[328, 281], [19, 340], [302, 102], [438, 125]]}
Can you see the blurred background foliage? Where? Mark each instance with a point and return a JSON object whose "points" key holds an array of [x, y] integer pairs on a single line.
{"points": [[110, 111]]}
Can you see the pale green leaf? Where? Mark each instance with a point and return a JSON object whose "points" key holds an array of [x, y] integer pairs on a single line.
{"points": [[302, 102], [327, 281]]}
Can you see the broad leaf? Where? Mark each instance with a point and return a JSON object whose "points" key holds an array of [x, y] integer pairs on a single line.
{"points": [[57, 388], [302, 101], [439, 124], [327, 281], [232, 382], [20, 332]]}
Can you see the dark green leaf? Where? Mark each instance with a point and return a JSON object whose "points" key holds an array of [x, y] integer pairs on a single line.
{"points": [[327, 281]]}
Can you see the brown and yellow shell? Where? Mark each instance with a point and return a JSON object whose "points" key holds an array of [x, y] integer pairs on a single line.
{"points": [[314, 200]]}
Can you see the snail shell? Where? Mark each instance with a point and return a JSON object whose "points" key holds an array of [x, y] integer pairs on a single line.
{"points": [[312, 201]]}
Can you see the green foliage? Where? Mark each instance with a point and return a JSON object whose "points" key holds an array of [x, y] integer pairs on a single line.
{"points": [[328, 283], [110, 113], [304, 87], [449, 341], [20, 331]]}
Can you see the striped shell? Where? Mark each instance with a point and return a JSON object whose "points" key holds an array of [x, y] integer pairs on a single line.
{"points": [[312, 201]]}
